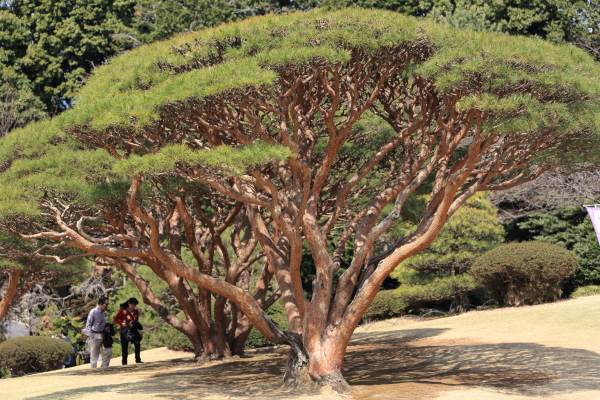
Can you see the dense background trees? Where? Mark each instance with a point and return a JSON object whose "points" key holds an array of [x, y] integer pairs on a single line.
{"points": [[554, 20], [51, 45]]}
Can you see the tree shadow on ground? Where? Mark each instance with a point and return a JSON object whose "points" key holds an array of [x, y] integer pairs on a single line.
{"points": [[407, 357]]}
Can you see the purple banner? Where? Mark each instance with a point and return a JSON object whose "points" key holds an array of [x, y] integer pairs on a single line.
{"points": [[595, 216]]}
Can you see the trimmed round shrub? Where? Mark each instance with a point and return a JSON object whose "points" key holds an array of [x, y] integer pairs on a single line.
{"points": [[34, 354], [385, 305], [525, 273]]}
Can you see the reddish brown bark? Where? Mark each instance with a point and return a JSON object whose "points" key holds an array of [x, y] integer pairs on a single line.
{"points": [[21, 280], [11, 290]]}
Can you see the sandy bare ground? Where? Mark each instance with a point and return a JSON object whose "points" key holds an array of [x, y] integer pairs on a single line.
{"points": [[542, 352]]}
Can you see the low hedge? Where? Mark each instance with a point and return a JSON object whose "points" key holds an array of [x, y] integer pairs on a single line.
{"points": [[583, 291], [175, 340], [525, 273], [34, 354], [386, 304]]}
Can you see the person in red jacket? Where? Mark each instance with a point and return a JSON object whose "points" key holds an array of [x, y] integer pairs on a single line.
{"points": [[127, 315]]}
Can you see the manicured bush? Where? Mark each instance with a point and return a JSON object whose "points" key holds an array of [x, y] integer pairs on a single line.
{"points": [[584, 291], [386, 304], [525, 273], [34, 354]]}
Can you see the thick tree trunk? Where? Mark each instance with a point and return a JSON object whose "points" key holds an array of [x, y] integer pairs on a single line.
{"points": [[322, 364], [463, 302], [325, 363], [196, 340], [215, 345], [240, 335], [203, 336]]}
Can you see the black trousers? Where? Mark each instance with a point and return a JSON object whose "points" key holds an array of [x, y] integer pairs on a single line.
{"points": [[125, 350]]}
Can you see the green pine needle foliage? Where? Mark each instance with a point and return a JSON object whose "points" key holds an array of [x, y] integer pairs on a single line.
{"points": [[132, 88], [134, 91], [227, 159]]}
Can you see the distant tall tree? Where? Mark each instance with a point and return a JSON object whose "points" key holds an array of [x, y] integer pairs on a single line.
{"points": [[54, 44], [555, 20], [440, 272], [161, 19], [18, 107]]}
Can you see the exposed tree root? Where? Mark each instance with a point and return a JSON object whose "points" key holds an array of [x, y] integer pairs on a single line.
{"points": [[208, 358], [301, 381], [336, 381]]}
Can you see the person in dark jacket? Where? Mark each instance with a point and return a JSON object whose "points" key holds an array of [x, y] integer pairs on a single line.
{"points": [[71, 361], [107, 339], [127, 318]]}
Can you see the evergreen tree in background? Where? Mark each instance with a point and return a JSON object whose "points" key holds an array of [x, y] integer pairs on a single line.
{"points": [[156, 19], [554, 20], [161, 19], [440, 272], [49, 46]]}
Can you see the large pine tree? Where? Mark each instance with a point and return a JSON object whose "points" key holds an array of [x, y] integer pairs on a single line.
{"points": [[262, 113]]}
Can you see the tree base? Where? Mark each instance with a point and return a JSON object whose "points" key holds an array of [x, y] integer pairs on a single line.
{"points": [[303, 382], [207, 358], [297, 378], [336, 381]]}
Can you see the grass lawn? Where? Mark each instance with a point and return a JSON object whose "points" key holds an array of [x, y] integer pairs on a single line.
{"points": [[550, 351]]}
